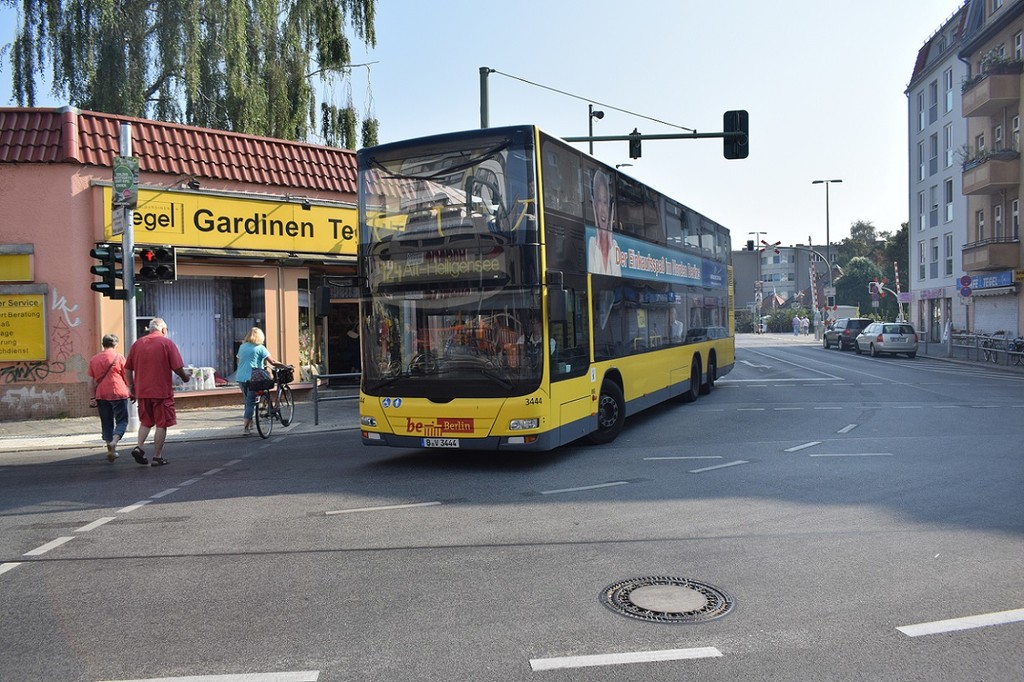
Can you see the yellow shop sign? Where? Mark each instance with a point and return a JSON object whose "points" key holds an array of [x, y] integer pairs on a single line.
{"points": [[201, 220]]}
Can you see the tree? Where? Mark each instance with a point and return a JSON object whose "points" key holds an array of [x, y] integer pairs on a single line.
{"points": [[852, 287], [240, 65]]}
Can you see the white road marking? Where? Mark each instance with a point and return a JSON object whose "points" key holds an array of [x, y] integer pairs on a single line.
{"points": [[585, 487], [188, 482], [804, 446], [8, 565], [43, 549], [537, 664], [847, 428], [694, 457], [750, 364], [719, 466], [750, 409], [784, 409], [383, 508], [211, 472], [95, 524], [233, 462], [133, 507], [297, 676], [829, 408], [857, 454], [965, 623], [163, 493]]}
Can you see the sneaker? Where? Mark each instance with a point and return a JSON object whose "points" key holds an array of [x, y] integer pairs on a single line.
{"points": [[111, 452], [140, 456]]}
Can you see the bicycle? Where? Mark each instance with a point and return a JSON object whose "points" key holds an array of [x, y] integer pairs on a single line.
{"points": [[275, 403]]}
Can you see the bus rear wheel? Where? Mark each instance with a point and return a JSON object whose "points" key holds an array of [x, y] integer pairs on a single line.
{"points": [[611, 414], [709, 385], [693, 392]]}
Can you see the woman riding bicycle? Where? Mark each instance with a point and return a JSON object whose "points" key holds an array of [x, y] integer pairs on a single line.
{"points": [[252, 354]]}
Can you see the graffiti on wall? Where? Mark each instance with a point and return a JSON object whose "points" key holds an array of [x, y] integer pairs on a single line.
{"points": [[30, 400]]}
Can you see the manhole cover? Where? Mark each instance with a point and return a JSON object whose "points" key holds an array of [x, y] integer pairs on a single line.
{"points": [[667, 600]]}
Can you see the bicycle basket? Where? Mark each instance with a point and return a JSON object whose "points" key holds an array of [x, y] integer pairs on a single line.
{"points": [[284, 375], [260, 380]]}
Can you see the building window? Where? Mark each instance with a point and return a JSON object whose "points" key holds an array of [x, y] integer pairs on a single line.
{"points": [[997, 221], [948, 243], [979, 143], [1015, 132], [933, 262], [996, 4], [979, 226], [933, 154], [997, 138], [920, 260], [922, 218], [933, 214], [948, 196], [947, 143], [1015, 219], [933, 101], [947, 79], [1018, 46], [921, 111], [922, 162]]}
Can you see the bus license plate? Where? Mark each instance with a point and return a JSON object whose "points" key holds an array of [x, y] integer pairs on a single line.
{"points": [[440, 442]]}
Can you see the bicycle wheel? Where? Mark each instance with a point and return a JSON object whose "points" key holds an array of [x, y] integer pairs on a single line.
{"points": [[264, 415], [286, 405]]}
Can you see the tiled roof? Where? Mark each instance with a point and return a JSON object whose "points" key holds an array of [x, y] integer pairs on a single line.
{"points": [[34, 135]]}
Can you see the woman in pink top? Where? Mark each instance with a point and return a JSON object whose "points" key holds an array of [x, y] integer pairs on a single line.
{"points": [[109, 393]]}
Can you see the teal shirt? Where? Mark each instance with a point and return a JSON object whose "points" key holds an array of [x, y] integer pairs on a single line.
{"points": [[250, 356]]}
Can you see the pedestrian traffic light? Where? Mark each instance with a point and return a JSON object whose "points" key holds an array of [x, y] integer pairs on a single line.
{"points": [[109, 267], [736, 141], [156, 264], [634, 144]]}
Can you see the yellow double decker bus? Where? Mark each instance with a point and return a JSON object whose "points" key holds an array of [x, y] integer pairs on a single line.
{"points": [[518, 294]]}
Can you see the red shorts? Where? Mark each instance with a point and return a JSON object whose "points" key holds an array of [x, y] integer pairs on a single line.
{"points": [[157, 412]]}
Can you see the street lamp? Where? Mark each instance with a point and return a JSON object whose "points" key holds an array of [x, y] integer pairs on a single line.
{"points": [[590, 124], [828, 241], [758, 293]]}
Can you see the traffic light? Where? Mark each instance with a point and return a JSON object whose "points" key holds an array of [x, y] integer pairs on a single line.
{"points": [[634, 144], [156, 264], [109, 268], [750, 245], [736, 146]]}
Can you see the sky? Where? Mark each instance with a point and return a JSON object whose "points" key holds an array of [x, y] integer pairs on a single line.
{"points": [[824, 84]]}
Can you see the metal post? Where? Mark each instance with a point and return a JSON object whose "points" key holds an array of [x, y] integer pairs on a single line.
{"points": [[128, 279], [484, 71]]}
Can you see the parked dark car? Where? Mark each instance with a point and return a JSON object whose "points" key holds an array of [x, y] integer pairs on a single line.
{"points": [[843, 332], [887, 337]]}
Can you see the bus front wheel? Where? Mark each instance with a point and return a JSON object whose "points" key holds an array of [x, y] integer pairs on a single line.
{"points": [[611, 414]]}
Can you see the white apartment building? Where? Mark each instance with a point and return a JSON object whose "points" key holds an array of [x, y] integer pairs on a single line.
{"points": [[937, 134]]}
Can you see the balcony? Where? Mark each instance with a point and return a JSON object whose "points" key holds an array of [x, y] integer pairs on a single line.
{"points": [[992, 172], [989, 94], [992, 254]]}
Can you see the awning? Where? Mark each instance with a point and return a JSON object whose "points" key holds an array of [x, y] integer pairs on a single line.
{"points": [[996, 291]]}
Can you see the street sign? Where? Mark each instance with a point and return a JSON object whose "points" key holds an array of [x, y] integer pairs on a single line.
{"points": [[126, 182], [965, 291], [965, 281]]}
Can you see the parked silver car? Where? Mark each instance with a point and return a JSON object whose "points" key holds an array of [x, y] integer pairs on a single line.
{"points": [[887, 337]]}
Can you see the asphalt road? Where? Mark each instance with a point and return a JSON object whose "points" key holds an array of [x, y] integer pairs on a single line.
{"points": [[834, 498]]}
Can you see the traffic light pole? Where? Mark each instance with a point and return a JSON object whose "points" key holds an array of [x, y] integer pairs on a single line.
{"points": [[128, 249]]}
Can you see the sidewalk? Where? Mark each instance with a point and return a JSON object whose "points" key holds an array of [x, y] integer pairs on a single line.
{"points": [[208, 423], [214, 423]]}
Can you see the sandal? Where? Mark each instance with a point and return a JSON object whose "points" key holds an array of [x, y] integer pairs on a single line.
{"points": [[140, 456], [159, 461], [111, 452]]}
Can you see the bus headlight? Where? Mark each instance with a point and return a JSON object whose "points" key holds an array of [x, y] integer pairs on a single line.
{"points": [[365, 420], [523, 424]]}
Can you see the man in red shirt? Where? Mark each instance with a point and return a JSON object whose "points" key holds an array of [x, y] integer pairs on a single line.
{"points": [[151, 361]]}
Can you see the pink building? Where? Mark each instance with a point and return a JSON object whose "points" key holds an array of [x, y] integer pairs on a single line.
{"points": [[258, 226]]}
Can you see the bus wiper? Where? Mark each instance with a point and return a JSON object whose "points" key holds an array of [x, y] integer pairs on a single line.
{"points": [[498, 379]]}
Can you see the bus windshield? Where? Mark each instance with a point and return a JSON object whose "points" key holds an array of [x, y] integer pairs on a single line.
{"points": [[450, 250]]}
